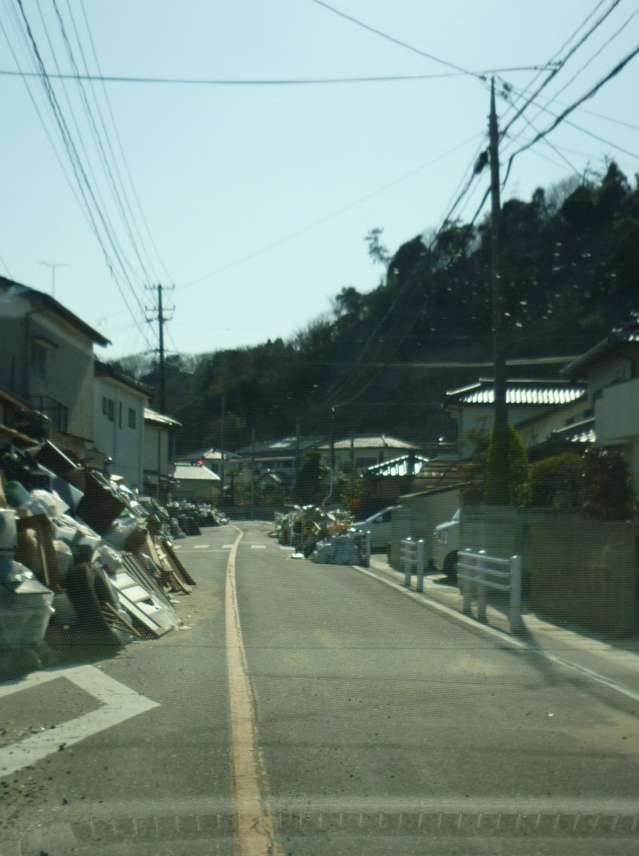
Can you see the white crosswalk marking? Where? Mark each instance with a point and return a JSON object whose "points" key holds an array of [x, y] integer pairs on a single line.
{"points": [[119, 703]]}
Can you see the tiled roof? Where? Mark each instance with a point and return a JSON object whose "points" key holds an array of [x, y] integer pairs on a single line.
{"points": [[580, 432], [519, 392], [378, 441]]}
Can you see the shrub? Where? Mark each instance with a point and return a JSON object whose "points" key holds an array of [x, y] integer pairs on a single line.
{"points": [[506, 482], [607, 484], [557, 482]]}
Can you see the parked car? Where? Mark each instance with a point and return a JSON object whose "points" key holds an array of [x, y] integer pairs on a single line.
{"points": [[379, 526], [446, 539]]}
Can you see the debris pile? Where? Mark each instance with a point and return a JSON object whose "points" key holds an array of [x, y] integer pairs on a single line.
{"points": [[82, 562], [319, 534]]}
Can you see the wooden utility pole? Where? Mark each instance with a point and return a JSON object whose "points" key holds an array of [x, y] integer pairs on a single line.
{"points": [[499, 357]]}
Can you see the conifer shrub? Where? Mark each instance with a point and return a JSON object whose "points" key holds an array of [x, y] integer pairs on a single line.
{"points": [[514, 487]]}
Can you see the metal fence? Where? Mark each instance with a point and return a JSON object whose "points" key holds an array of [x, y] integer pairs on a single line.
{"points": [[479, 573]]}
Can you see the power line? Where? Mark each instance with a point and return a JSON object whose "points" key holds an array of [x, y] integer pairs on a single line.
{"points": [[316, 223], [119, 140], [304, 81], [398, 42], [91, 205], [562, 116], [562, 62]]}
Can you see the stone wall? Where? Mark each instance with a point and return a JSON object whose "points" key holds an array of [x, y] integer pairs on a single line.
{"points": [[581, 570]]}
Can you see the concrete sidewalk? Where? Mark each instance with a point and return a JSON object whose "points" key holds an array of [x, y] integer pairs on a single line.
{"points": [[612, 661]]}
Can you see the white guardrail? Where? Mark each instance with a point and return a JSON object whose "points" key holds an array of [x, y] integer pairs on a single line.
{"points": [[479, 572], [412, 558]]}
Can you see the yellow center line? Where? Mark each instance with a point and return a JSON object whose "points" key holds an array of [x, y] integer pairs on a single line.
{"points": [[253, 821]]}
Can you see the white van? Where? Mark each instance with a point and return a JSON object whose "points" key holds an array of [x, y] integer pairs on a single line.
{"points": [[446, 540]]}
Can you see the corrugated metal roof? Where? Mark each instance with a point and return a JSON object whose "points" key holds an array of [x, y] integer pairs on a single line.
{"points": [[187, 472], [159, 418], [525, 393]]}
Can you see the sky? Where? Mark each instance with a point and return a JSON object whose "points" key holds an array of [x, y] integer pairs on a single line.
{"points": [[205, 155]]}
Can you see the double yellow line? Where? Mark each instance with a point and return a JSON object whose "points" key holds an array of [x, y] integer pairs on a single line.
{"points": [[254, 826]]}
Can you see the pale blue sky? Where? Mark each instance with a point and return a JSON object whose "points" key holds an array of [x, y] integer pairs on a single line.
{"points": [[254, 201]]}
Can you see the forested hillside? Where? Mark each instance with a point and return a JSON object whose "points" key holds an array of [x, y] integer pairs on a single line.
{"points": [[570, 262]]}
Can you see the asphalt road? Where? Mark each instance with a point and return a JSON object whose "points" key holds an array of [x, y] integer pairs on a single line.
{"points": [[310, 709]]}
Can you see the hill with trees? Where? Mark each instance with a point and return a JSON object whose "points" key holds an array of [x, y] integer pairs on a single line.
{"points": [[380, 361]]}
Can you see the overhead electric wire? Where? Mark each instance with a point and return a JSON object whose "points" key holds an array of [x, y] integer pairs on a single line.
{"points": [[303, 81], [562, 62], [343, 386], [406, 326], [398, 42], [119, 141], [82, 180], [316, 223], [111, 171], [555, 97], [594, 56], [543, 108], [559, 119], [87, 166]]}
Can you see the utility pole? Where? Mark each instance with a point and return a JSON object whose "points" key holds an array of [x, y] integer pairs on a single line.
{"points": [[161, 321], [499, 357], [222, 452]]}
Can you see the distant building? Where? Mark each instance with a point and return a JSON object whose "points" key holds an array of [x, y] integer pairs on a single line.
{"points": [[195, 483], [360, 452], [119, 428], [158, 471]]}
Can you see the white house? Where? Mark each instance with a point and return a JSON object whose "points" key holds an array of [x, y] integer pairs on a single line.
{"points": [[118, 423], [611, 371]]}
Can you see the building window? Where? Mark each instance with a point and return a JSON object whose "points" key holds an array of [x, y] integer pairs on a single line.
{"points": [[108, 408], [38, 361], [120, 415], [132, 416]]}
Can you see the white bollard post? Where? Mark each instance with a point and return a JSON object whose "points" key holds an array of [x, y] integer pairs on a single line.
{"points": [[368, 548], [481, 587], [420, 565], [408, 559], [516, 624], [467, 585]]}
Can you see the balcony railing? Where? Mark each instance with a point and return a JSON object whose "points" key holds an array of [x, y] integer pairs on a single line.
{"points": [[53, 411]]}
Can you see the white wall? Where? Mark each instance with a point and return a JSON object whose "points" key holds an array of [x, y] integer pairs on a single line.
{"points": [[115, 437]]}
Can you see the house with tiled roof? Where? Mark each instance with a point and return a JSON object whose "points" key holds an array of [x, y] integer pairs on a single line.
{"points": [[359, 452], [535, 407], [610, 371]]}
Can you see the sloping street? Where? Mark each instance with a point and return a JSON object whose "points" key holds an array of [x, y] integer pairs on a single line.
{"points": [[311, 709]]}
